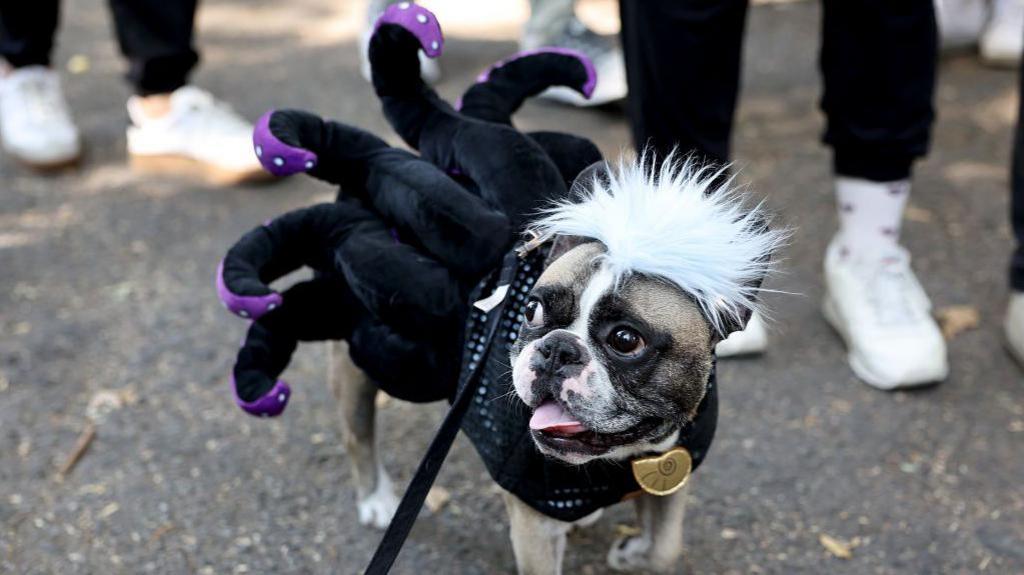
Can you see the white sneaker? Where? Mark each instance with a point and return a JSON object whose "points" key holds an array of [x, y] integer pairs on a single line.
{"points": [[751, 340], [1013, 326], [429, 69], [604, 52], [35, 125], [198, 132], [960, 22], [884, 316], [1003, 38]]}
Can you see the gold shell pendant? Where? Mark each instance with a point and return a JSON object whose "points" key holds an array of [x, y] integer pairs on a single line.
{"points": [[663, 474]]}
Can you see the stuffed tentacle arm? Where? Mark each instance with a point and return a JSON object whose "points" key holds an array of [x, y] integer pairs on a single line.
{"points": [[429, 208], [418, 370], [419, 21], [286, 141], [513, 173], [571, 153], [320, 309], [501, 89], [401, 32], [292, 141], [305, 237], [325, 309], [398, 283]]}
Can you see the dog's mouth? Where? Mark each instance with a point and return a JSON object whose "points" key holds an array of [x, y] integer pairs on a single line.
{"points": [[554, 427]]}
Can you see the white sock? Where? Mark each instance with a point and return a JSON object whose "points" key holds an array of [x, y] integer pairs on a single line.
{"points": [[870, 214]]}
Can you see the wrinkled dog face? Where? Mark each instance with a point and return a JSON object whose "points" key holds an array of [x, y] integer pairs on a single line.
{"points": [[608, 372]]}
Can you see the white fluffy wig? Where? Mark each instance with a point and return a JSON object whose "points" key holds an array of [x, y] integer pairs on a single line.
{"points": [[678, 224]]}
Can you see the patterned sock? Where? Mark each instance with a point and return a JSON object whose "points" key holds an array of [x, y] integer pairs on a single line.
{"points": [[869, 216]]}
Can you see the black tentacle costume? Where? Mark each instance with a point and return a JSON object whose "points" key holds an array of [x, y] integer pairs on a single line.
{"points": [[409, 243]]}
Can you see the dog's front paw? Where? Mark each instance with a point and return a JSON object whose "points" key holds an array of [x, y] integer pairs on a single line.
{"points": [[629, 553], [377, 509], [634, 553]]}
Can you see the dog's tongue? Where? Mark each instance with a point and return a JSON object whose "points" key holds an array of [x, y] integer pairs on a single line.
{"points": [[550, 416]]}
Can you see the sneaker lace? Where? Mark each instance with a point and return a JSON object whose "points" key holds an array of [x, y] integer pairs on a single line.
{"points": [[893, 293]]}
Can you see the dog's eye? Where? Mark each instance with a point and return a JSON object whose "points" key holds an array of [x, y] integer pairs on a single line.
{"points": [[626, 341], [534, 313]]}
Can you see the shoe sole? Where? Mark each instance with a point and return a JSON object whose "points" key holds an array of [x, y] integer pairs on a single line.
{"points": [[1014, 353], [571, 98], [1001, 62], [47, 167], [1002, 59], [861, 370], [179, 166]]}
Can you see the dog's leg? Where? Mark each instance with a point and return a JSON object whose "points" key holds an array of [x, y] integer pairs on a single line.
{"points": [[356, 396], [538, 541], [659, 545]]}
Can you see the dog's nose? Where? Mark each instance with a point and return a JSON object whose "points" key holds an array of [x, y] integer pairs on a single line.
{"points": [[560, 349]]}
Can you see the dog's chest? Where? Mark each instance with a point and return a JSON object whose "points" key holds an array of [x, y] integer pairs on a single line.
{"points": [[497, 422]]}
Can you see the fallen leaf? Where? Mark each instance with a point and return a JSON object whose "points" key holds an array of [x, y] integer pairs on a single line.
{"points": [[160, 532], [627, 530], [102, 403], [108, 510], [437, 498], [964, 173], [78, 64], [836, 547], [729, 534], [84, 441], [955, 319], [92, 489], [920, 215]]}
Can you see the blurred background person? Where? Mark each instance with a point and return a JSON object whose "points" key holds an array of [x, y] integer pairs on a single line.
{"points": [[173, 126], [994, 26], [552, 23], [878, 62]]}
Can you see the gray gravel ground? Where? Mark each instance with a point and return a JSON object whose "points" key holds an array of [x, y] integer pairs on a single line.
{"points": [[106, 301]]}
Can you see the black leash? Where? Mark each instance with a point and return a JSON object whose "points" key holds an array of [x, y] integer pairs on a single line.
{"points": [[412, 501]]}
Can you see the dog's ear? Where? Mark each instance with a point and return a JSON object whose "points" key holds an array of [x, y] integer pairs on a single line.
{"points": [[599, 171], [739, 323], [584, 182], [562, 245]]}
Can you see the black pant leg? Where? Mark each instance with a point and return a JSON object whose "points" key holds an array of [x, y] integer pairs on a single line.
{"points": [[1017, 195], [683, 69], [156, 37], [27, 28], [878, 59]]}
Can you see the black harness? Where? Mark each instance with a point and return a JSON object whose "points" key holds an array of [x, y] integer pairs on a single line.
{"points": [[498, 424]]}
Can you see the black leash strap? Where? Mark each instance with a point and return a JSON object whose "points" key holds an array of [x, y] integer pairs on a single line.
{"points": [[409, 508]]}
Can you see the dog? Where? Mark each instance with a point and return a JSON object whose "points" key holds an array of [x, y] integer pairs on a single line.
{"points": [[613, 360], [587, 370]]}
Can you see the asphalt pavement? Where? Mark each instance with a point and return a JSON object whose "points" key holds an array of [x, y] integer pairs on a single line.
{"points": [[109, 321]]}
